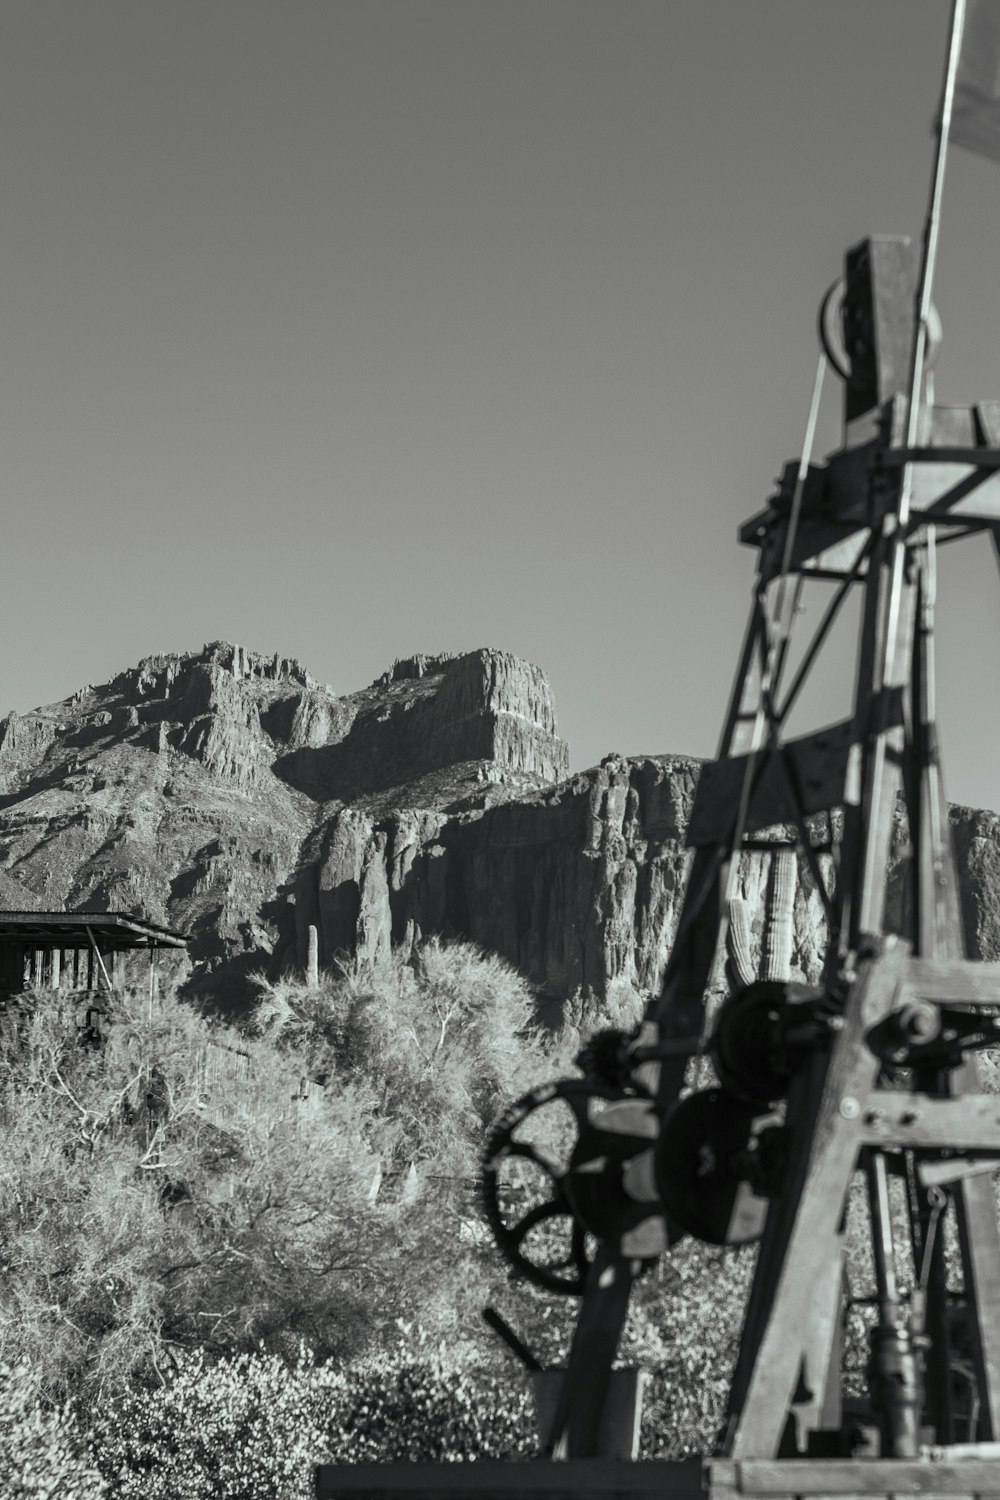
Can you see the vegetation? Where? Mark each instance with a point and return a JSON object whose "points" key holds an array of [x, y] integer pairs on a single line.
{"points": [[253, 1427], [42, 1450], [250, 1251]]}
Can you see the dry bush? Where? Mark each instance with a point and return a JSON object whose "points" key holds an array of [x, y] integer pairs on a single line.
{"points": [[150, 1202], [445, 1037], [43, 1454], [254, 1427], [181, 1187], [184, 1193]]}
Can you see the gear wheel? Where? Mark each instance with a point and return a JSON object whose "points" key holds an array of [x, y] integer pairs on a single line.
{"points": [[554, 1181]]}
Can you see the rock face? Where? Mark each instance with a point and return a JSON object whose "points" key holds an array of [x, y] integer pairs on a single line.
{"points": [[195, 788], [428, 714], [232, 796]]}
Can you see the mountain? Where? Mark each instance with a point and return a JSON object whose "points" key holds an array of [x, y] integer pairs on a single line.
{"points": [[232, 796], [197, 788]]}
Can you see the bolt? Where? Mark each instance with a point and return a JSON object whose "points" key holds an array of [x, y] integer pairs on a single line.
{"points": [[849, 1108]]}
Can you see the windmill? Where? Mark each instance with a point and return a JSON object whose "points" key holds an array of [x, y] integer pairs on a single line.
{"points": [[864, 1083]]}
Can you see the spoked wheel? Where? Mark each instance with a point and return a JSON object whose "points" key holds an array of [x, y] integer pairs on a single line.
{"points": [[554, 1181]]}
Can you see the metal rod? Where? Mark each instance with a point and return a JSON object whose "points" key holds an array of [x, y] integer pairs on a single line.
{"points": [[895, 522], [931, 233], [517, 1346], [885, 1264], [800, 480]]}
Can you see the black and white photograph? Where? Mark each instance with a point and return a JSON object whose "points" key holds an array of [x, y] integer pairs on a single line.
{"points": [[500, 749]]}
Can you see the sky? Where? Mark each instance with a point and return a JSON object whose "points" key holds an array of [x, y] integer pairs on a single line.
{"points": [[359, 328]]}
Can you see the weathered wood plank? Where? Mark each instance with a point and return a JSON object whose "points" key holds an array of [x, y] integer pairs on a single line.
{"points": [[491, 1480], [867, 1476], [829, 548], [954, 491], [582, 1419], [818, 765], [969, 1122], [952, 981]]}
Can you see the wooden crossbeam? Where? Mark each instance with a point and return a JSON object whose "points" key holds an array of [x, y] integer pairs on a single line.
{"points": [[853, 1477], [490, 1480], [899, 1122], [953, 983]]}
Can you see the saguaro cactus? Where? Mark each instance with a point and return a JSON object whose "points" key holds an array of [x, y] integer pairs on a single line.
{"points": [[740, 970], [312, 961], [778, 930]]}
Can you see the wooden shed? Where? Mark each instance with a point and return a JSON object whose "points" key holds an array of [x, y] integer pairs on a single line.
{"points": [[73, 950]]}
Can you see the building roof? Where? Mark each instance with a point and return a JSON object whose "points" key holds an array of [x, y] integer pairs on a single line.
{"points": [[73, 929]]}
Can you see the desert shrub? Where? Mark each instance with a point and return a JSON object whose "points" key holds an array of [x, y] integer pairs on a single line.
{"points": [[432, 1409], [147, 1206], [688, 1317], [240, 1428], [183, 1207], [444, 1035], [43, 1455], [182, 1186], [253, 1427]]}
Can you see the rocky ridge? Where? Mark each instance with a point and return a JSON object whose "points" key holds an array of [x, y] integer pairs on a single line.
{"points": [[231, 795], [193, 787]]}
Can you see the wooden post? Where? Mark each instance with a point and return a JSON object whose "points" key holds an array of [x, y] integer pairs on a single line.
{"points": [[795, 1301], [97, 964], [578, 1411], [617, 1434]]}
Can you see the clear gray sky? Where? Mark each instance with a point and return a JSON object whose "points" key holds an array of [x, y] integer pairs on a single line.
{"points": [[364, 327]]}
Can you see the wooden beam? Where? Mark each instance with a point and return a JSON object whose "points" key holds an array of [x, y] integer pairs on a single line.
{"points": [[576, 1421], [818, 764], [951, 981], [821, 548], [491, 1480], [804, 1230], [979, 1245], [857, 1476], [968, 1122]]}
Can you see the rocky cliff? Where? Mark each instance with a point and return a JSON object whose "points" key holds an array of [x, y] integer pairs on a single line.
{"points": [[231, 795], [195, 787]]}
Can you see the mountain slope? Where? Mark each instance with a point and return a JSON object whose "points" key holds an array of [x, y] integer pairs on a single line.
{"points": [[232, 796]]}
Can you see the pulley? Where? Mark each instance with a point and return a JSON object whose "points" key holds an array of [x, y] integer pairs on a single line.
{"points": [[922, 1033], [570, 1165], [748, 1045], [718, 1158], [764, 1032], [866, 322]]}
